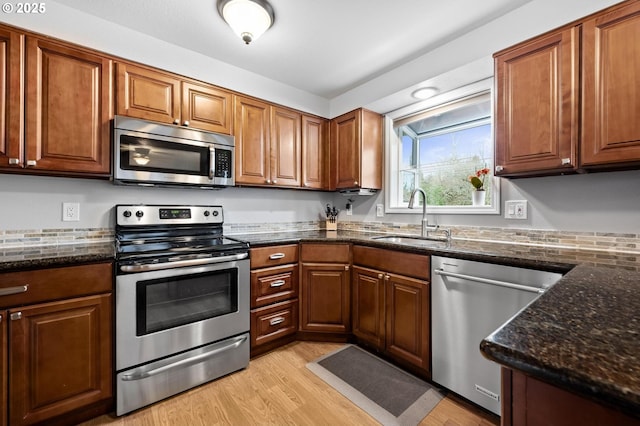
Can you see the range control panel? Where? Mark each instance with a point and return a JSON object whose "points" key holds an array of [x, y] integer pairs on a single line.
{"points": [[148, 215]]}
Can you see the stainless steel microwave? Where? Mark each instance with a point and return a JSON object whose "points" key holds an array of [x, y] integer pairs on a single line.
{"points": [[148, 153]]}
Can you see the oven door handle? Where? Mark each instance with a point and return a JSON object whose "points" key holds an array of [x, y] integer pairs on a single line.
{"points": [[183, 263], [140, 373]]}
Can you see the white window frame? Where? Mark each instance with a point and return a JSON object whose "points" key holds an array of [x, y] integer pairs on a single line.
{"points": [[392, 153]]}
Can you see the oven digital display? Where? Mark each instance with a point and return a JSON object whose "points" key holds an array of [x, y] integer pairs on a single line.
{"points": [[175, 213]]}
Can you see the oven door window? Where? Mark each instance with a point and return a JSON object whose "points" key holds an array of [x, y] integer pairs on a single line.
{"points": [[165, 303], [153, 155]]}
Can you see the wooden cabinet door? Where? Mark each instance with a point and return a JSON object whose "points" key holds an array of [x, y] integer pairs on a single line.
{"points": [[408, 320], [537, 105], [368, 308], [325, 298], [12, 99], [69, 108], [60, 358], [611, 88], [285, 147], [4, 372], [345, 150], [148, 94], [314, 152], [207, 107], [252, 133]]}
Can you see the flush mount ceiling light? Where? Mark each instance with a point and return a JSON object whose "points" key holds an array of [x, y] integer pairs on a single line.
{"points": [[425, 92], [249, 19]]}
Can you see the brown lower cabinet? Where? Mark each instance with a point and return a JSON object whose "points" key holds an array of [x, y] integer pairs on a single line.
{"points": [[531, 402], [325, 289], [56, 334], [391, 307]]}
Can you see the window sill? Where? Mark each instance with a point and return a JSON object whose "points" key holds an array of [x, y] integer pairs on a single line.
{"points": [[471, 210]]}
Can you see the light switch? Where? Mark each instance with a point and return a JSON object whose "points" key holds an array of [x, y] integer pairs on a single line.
{"points": [[515, 209]]}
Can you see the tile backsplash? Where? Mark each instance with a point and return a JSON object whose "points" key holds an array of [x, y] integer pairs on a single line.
{"points": [[596, 241]]}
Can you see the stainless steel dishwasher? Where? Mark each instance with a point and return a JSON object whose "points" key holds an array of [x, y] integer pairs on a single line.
{"points": [[469, 301]]}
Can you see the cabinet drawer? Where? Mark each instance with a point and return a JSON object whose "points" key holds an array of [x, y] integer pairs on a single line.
{"points": [[312, 252], [273, 255], [397, 262], [54, 283], [273, 322], [271, 285]]}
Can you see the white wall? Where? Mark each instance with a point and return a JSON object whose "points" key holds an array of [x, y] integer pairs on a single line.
{"points": [[35, 202]]}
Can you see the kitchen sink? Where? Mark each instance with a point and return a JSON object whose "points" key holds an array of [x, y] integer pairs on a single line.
{"points": [[412, 241]]}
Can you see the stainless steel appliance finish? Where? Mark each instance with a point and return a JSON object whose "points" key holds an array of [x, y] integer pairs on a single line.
{"points": [[469, 301], [182, 301], [148, 153]]}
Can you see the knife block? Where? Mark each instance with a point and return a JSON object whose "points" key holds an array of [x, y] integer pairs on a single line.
{"points": [[332, 225]]}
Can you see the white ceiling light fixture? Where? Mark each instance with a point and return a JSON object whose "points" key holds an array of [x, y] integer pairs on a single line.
{"points": [[249, 19], [425, 92]]}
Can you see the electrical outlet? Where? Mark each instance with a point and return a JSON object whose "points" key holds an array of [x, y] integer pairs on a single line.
{"points": [[515, 209], [349, 209], [379, 210], [70, 212]]}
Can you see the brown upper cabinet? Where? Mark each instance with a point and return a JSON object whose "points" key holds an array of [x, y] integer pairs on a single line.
{"points": [[277, 146], [151, 94], [67, 93], [356, 150], [566, 100]]}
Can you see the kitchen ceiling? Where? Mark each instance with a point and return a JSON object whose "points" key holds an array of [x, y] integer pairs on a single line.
{"points": [[324, 47]]}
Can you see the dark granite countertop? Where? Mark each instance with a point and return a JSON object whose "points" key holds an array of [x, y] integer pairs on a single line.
{"points": [[582, 335], [20, 259]]}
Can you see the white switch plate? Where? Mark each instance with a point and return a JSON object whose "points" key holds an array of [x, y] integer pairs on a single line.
{"points": [[70, 212], [515, 209], [349, 209], [379, 210]]}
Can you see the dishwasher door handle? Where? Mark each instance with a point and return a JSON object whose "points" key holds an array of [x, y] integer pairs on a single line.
{"points": [[490, 281]]}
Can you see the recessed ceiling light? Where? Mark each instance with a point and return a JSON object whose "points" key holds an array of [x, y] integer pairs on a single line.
{"points": [[424, 92]]}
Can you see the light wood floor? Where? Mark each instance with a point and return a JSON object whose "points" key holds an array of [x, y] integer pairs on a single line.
{"points": [[278, 389]]}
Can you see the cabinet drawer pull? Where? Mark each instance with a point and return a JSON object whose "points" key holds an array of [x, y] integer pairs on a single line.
{"points": [[16, 316], [14, 161], [275, 256], [13, 290], [32, 163], [276, 321], [566, 161], [278, 283]]}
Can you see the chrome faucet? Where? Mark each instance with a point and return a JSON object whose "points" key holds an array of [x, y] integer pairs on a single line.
{"points": [[425, 222]]}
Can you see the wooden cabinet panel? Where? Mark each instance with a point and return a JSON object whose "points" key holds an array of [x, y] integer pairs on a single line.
{"points": [[12, 99], [148, 94], [325, 298], [285, 147], [368, 309], [314, 152], [274, 322], [252, 133], [271, 285], [68, 109], [537, 105], [262, 257], [60, 358], [408, 320], [611, 82], [4, 372], [325, 252], [408, 264], [356, 150], [206, 107], [57, 283]]}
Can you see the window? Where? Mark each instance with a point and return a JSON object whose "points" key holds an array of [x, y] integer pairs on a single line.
{"points": [[438, 149]]}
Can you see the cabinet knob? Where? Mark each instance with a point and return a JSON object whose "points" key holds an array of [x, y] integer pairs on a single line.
{"points": [[499, 168], [14, 161], [355, 182], [16, 316], [31, 163], [185, 123], [386, 277], [268, 181], [566, 161], [380, 276], [346, 267], [275, 181], [176, 121]]}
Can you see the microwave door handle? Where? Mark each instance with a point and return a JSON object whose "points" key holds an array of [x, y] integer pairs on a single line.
{"points": [[212, 162]]}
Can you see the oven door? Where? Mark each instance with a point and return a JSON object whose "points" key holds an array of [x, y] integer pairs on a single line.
{"points": [[163, 312], [157, 159]]}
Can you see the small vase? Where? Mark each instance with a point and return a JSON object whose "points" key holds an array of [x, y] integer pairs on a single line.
{"points": [[477, 197]]}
